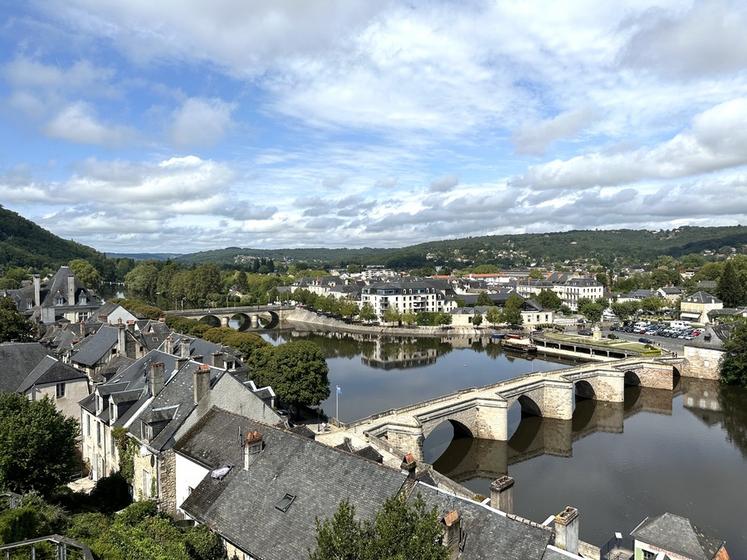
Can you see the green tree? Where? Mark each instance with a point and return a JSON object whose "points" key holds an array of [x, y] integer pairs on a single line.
{"points": [[624, 310], [409, 318], [483, 299], [142, 280], [297, 372], [367, 313], [535, 274], [86, 273], [512, 310], [590, 309], [477, 320], [652, 305], [401, 530], [734, 360], [391, 315], [37, 445], [13, 325], [730, 289], [549, 300], [493, 315]]}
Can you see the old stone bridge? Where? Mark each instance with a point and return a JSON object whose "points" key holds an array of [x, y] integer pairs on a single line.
{"points": [[482, 412], [246, 316]]}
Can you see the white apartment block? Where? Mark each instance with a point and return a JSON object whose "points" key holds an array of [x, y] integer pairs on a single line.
{"points": [[569, 291], [406, 297]]}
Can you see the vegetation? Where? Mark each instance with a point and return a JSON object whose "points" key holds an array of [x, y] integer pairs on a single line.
{"points": [[37, 445], [86, 273], [591, 310], [13, 325], [244, 343], [511, 313], [731, 289], [400, 530], [549, 300], [734, 361], [139, 308], [297, 372]]}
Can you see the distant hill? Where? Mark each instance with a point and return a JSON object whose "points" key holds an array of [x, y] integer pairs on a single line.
{"points": [[633, 246], [144, 256], [25, 244]]}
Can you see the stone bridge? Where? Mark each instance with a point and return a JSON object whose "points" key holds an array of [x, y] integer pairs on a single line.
{"points": [[247, 316], [482, 412]]}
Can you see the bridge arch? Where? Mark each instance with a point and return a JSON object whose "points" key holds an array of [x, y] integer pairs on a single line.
{"points": [[268, 319], [584, 390], [211, 320], [528, 406], [239, 322], [632, 379]]}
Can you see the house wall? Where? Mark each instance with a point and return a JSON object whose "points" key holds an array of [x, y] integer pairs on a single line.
{"points": [[700, 308], [67, 405], [145, 475], [98, 446], [703, 362], [640, 546], [188, 475], [120, 313]]}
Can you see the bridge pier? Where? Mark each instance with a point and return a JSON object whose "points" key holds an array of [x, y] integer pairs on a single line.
{"points": [[601, 385], [224, 321], [254, 321], [650, 374]]}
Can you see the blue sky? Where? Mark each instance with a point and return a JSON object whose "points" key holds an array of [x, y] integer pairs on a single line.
{"points": [[183, 125]]}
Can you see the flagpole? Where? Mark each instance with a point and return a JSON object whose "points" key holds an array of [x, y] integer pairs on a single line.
{"points": [[337, 403]]}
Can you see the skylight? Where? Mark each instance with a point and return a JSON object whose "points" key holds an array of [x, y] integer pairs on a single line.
{"points": [[285, 502]]}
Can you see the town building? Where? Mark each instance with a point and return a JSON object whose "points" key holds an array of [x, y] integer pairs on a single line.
{"points": [[696, 307], [670, 293], [532, 315], [407, 296], [569, 290], [674, 537]]}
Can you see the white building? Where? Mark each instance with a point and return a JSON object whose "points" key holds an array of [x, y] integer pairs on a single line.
{"points": [[569, 291], [406, 296]]}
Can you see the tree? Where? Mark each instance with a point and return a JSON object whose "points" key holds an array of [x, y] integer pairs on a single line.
{"points": [[391, 315], [734, 361], [484, 299], [297, 372], [493, 315], [512, 310], [400, 530], [37, 445], [535, 274], [477, 320], [652, 304], [86, 273], [142, 279], [549, 300], [624, 310], [730, 289], [13, 325], [367, 313], [592, 310], [409, 318]]}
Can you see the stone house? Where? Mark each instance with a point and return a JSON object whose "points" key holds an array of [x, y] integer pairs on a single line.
{"points": [[670, 536], [695, 307]]}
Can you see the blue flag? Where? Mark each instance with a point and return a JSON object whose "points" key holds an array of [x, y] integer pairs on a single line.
{"points": [[339, 390]]}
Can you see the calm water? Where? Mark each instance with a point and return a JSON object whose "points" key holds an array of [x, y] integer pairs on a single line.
{"points": [[683, 451]]}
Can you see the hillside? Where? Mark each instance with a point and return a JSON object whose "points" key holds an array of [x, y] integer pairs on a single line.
{"points": [[606, 246], [25, 244]]}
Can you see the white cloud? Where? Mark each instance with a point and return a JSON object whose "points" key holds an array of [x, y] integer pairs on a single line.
{"points": [[200, 122], [716, 140], [78, 123], [535, 137]]}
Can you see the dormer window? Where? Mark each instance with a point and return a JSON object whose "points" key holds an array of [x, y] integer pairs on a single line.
{"points": [[59, 300], [112, 411]]}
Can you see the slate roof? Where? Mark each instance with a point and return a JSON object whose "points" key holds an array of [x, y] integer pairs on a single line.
{"points": [[17, 360], [702, 297], [93, 348], [489, 533], [671, 290], [677, 535], [58, 285], [242, 506], [50, 370]]}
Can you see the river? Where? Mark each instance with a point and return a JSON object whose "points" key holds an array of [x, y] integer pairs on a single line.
{"points": [[683, 451]]}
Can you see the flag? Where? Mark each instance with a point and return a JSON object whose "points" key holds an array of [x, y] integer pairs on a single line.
{"points": [[339, 390]]}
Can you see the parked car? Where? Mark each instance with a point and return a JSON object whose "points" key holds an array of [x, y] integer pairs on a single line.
{"points": [[644, 340]]}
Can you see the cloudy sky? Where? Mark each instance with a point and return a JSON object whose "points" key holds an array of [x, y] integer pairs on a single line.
{"points": [[182, 125]]}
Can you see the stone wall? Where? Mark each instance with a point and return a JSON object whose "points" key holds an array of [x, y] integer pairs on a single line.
{"points": [[167, 482], [144, 473], [703, 362]]}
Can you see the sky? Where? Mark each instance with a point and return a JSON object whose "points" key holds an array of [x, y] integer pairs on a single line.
{"points": [[184, 125]]}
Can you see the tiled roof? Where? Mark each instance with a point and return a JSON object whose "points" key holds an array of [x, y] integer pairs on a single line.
{"points": [[18, 359], [50, 370], [93, 348], [677, 535], [702, 297]]}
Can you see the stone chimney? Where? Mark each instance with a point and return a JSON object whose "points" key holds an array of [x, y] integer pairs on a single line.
{"points": [[180, 362], [121, 339], [71, 290], [201, 382], [156, 379], [131, 326], [452, 523], [566, 530], [253, 445], [218, 360], [409, 464], [502, 494], [168, 345], [37, 290], [184, 348]]}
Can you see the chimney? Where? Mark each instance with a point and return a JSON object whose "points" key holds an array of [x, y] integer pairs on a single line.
{"points": [[71, 290], [131, 326], [37, 290], [409, 464], [184, 347], [502, 494], [180, 362], [201, 382], [168, 345], [566, 530], [218, 361], [253, 445], [121, 339], [452, 522], [156, 378]]}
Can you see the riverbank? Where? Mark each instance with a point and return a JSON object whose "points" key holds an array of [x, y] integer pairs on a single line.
{"points": [[306, 317]]}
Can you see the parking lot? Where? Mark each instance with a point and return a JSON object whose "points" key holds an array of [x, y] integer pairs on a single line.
{"points": [[676, 340]]}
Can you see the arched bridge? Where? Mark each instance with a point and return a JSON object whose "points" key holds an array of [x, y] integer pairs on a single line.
{"points": [[483, 411], [244, 316]]}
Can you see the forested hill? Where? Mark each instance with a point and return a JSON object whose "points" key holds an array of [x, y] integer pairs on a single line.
{"points": [[25, 244], [633, 246]]}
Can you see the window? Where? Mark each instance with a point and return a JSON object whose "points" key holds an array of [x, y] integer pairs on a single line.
{"points": [[98, 434], [88, 425], [648, 555], [285, 502], [60, 390]]}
